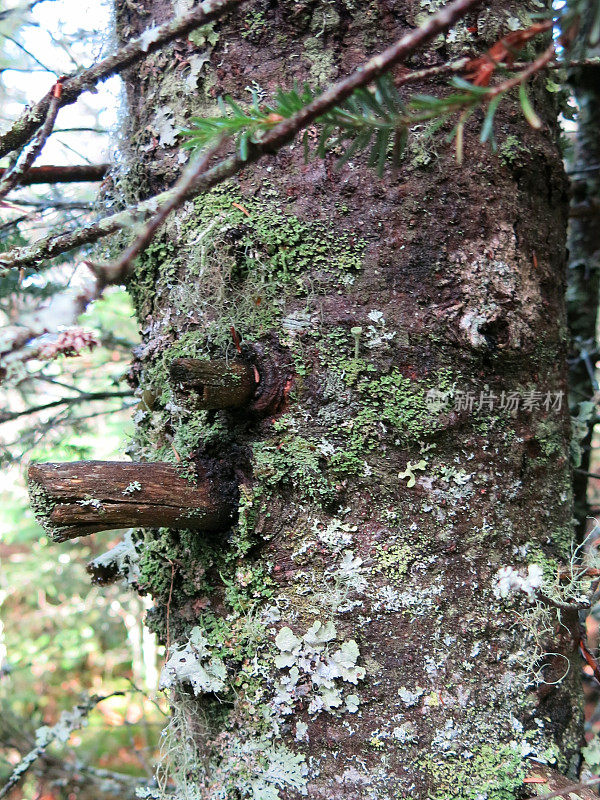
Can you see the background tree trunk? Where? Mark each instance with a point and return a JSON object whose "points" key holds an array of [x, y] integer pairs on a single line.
{"points": [[370, 627], [584, 269]]}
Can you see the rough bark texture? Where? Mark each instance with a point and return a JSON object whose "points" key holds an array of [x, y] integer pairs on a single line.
{"points": [[584, 269], [352, 638], [83, 497]]}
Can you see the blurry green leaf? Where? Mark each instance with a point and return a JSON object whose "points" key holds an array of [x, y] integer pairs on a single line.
{"points": [[530, 115]]}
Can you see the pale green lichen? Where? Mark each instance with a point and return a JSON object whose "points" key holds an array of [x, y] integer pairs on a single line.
{"points": [[409, 472], [195, 664], [42, 505], [511, 150], [491, 772], [315, 669]]}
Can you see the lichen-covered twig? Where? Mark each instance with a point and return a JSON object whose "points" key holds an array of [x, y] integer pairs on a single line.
{"points": [[273, 141], [25, 127], [13, 177], [69, 721]]}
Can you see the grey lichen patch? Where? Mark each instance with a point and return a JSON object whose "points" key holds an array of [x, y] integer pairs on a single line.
{"points": [[121, 561], [134, 486], [248, 763], [194, 664], [92, 502]]}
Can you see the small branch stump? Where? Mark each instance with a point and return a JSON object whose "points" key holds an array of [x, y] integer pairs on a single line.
{"points": [[215, 384]]}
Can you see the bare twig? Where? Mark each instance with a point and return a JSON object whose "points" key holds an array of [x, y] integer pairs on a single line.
{"points": [[542, 61], [77, 173], [9, 416], [572, 787], [74, 85], [590, 660], [28, 53], [273, 141], [18, 9], [81, 129], [118, 271], [46, 205], [458, 66], [589, 474], [581, 170], [12, 178]]}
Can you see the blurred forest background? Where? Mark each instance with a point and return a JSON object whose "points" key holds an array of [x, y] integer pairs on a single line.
{"points": [[61, 638]]}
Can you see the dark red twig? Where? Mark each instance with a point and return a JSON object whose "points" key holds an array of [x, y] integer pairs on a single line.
{"points": [[13, 177], [78, 173]]}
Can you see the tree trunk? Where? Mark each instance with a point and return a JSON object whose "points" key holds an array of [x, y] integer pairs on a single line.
{"points": [[584, 274], [382, 620]]}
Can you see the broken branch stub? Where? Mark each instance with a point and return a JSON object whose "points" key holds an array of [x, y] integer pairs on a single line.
{"points": [[83, 497], [215, 384]]}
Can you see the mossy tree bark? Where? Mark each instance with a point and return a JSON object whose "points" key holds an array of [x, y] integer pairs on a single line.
{"points": [[584, 271], [371, 625]]}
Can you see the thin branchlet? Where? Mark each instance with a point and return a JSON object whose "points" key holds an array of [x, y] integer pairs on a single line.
{"points": [[14, 176], [10, 416], [118, 271]]}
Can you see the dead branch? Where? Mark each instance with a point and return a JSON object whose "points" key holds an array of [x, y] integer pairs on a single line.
{"points": [[78, 173], [83, 497], [214, 384]]}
